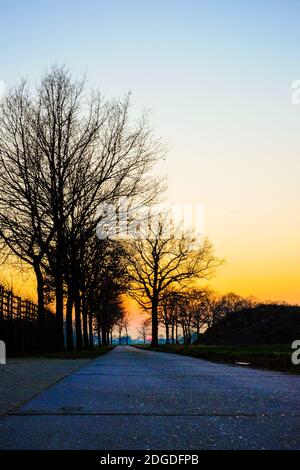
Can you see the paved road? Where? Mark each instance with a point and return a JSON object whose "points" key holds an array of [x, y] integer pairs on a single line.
{"points": [[135, 399]]}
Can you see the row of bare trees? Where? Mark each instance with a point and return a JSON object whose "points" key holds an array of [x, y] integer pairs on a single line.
{"points": [[185, 315], [63, 154], [191, 312]]}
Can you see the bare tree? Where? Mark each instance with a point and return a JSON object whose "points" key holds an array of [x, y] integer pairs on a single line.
{"points": [[106, 283], [221, 305], [144, 329], [168, 313], [199, 309], [122, 324], [160, 261], [24, 225]]}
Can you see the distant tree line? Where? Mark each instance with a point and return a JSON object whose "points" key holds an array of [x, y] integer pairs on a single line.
{"points": [[185, 314], [193, 311]]}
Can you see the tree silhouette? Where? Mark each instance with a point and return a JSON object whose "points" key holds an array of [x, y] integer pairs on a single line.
{"points": [[158, 261]]}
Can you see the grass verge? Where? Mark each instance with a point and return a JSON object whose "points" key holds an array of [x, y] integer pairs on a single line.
{"points": [[85, 354], [272, 357]]}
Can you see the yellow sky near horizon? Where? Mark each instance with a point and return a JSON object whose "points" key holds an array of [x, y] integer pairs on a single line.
{"points": [[259, 266]]}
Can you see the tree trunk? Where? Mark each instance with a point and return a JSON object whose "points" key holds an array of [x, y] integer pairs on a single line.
{"points": [[91, 336], [198, 332], [59, 284], [173, 337], [154, 341], [77, 301], [59, 294], [167, 334], [41, 306], [69, 320], [104, 337], [85, 325]]}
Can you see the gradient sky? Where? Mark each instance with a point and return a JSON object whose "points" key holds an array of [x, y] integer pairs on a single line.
{"points": [[217, 76]]}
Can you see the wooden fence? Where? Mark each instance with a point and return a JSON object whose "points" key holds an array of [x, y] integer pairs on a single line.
{"points": [[20, 328]]}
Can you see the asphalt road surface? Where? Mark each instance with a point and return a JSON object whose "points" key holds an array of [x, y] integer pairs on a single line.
{"points": [[137, 399]]}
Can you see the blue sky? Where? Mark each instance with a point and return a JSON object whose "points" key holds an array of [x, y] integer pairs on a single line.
{"points": [[159, 39], [217, 75]]}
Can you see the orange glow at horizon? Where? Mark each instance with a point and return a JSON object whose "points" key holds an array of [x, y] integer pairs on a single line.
{"points": [[262, 259], [269, 279]]}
